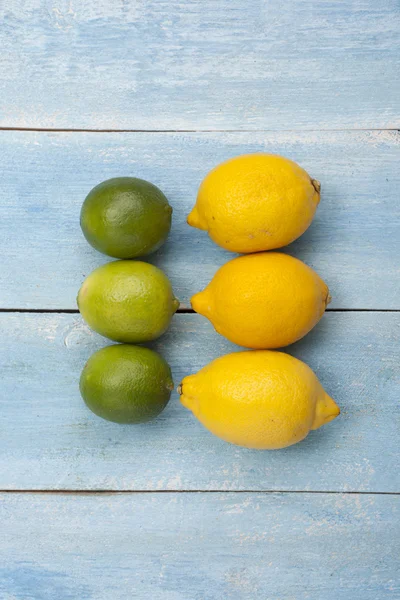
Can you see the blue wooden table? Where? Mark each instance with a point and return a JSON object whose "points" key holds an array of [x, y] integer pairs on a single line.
{"points": [[164, 90]]}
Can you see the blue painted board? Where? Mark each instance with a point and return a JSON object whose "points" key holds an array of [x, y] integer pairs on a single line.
{"points": [[353, 243], [50, 440], [199, 546], [199, 64]]}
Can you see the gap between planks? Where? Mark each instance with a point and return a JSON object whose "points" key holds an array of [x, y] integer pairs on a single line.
{"points": [[66, 130], [182, 311], [248, 491]]}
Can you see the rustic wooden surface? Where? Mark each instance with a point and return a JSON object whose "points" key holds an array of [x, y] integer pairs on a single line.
{"points": [[52, 441], [199, 64], [352, 242], [164, 90], [199, 546]]}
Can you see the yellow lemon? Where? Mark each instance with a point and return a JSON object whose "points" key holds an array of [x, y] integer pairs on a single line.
{"points": [[255, 202], [259, 399], [265, 300]]}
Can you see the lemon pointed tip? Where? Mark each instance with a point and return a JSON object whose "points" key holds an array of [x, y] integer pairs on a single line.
{"points": [[325, 411], [199, 303], [194, 219]]}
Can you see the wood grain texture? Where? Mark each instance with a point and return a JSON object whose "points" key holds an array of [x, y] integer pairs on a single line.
{"points": [[151, 64], [198, 65], [353, 242], [199, 546], [50, 440]]}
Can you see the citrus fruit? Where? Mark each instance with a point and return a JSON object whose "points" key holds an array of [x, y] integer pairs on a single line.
{"points": [[126, 217], [126, 384], [255, 202], [259, 399], [265, 300], [127, 301]]}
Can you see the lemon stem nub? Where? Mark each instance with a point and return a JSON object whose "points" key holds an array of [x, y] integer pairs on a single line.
{"points": [[328, 299], [316, 185]]}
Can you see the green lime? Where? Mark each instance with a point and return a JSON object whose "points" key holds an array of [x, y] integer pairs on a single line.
{"points": [[127, 301], [126, 217], [126, 384]]}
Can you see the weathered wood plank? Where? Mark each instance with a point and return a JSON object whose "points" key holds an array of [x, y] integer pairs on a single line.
{"points": [[50, 440], [353, 242], [199, 546], [199, 64]]}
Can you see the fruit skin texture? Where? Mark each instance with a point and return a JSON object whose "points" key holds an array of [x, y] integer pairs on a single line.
{"points": [[265, 300], [260, 399], [255, 202], [127, 301], [126, 384], [126, 217]]}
